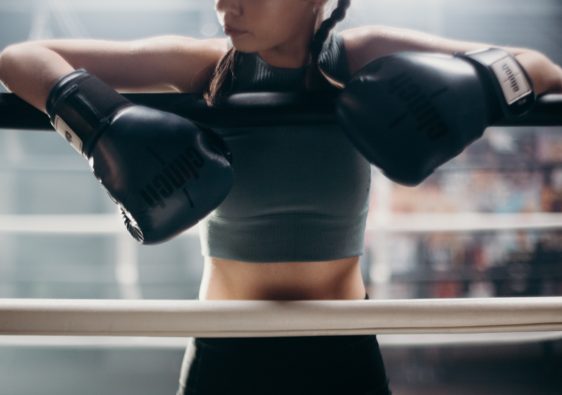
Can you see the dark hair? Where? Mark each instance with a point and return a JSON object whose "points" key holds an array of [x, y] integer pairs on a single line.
{"points": [[221, 81]]}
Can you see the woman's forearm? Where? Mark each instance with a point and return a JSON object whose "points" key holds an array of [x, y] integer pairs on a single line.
{"points": [[30, 71], [545, 74]]}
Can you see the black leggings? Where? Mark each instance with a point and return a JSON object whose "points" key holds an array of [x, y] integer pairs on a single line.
{"points": [[322, 365]]}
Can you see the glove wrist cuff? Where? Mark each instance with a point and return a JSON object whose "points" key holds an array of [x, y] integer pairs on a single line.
{"points": [[511, 83], [80, 106]]}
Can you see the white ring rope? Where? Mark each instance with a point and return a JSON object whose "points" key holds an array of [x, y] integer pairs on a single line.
{"points": [[178, 343], [110, 224], [277, 318]]}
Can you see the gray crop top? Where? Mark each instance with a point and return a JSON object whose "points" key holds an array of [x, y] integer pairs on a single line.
{"points": [[300, 192]]}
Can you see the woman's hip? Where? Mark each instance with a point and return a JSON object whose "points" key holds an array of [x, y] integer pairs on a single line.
{"points": [[296, 365]]}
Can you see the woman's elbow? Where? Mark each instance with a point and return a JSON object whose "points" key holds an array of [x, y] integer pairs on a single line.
{"points": [[12, 58], [29, 70], [8, 59]]}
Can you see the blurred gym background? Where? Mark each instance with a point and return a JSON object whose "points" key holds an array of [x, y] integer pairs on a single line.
{"points": [[486, 224]]}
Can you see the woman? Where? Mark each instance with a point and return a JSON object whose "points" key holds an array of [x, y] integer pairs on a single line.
{"points": [[292, 228]]}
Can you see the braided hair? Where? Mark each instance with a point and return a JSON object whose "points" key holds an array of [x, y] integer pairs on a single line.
{"points": [[315, 79], [221, 81]]}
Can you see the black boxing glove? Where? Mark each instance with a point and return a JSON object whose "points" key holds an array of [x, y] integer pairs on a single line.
{"points": [[410, 112], [164, 172]]}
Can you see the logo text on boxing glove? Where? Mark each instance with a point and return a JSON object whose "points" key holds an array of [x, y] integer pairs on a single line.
{"points": [[173, 176], [428, 120], [512, 80]]}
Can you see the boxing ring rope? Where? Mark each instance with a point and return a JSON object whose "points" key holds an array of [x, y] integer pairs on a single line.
{"points": [[251, 318], [249, 109], [112, 224], [179, 343]]}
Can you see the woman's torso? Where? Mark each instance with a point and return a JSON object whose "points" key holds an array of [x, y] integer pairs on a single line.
{"points": [[239, 280], [229, 279]]}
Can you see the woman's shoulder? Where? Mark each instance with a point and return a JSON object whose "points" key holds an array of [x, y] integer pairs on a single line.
{"points": [[367, 43], [360, 46], [364, 44], [221, 44], [212, 50]]}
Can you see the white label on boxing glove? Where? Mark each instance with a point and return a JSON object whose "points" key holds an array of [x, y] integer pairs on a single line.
{"points": [[512, 79], [65, 131]]}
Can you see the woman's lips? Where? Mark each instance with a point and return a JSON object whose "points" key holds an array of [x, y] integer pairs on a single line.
{"points": [[232, 32]]}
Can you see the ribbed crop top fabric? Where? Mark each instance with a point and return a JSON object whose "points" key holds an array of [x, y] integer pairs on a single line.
{"points": [[300, 192]]}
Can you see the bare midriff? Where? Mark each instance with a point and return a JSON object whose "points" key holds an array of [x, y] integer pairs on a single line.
{"points": [[225, 279]]}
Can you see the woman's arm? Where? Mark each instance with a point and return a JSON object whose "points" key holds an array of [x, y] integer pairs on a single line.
{"points": [[156, 64], [370, 42], [30, 73]]}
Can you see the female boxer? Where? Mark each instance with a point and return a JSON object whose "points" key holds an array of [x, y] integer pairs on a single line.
{"points": [[293, 225]]}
